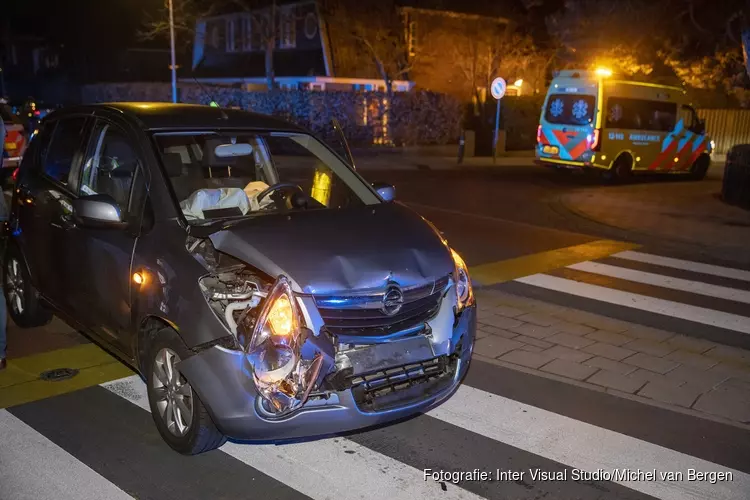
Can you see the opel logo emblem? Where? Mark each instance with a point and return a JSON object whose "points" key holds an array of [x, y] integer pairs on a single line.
{"points": [[392, 300]]}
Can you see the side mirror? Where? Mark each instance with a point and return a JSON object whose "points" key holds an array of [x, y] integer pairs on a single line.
{"points": [[386, 191], [99, 210]]}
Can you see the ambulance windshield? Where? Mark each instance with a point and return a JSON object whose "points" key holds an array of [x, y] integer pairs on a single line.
{"points": [[570, 109]]}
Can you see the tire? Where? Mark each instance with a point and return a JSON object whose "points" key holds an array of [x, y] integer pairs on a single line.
{"points": [[621, 170], [699, 168], [187, 435], [23, 300]]}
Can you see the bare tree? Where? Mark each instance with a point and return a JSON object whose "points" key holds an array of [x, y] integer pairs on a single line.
{"points": [[483, 54], [626, 34], [264, 17], [376, 27], [265, 21], [186, 14]]}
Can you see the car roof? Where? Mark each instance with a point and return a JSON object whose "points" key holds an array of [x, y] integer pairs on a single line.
{"points": [[169, 116]]}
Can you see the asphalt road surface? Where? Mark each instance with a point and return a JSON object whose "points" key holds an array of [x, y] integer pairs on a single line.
{"points": [[512, 433]]}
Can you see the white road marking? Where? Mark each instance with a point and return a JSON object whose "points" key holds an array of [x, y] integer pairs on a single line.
{"points": [[323, 469], [584, 446], [696, 267], [684, 285], [643, 302], [33, 467]]}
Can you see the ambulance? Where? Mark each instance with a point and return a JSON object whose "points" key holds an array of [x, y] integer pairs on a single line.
{"points": [[620, 128]]}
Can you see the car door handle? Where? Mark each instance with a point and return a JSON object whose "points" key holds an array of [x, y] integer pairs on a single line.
{"points": [[64, 222]]}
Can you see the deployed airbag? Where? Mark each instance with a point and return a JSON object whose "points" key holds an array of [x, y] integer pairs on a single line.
{"points": [[252, 190], [213, 199]]}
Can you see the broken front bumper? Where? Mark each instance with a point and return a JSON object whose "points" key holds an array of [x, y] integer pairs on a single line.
{"points": [[420, 381]]}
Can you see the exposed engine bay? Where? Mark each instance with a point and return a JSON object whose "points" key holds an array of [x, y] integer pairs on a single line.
{"points": [[265, 322], [234, 294]]}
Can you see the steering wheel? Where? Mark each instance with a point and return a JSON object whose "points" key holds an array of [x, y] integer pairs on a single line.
{"points": [[275, 189]]}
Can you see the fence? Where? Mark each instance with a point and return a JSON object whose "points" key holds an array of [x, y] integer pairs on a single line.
{"points": [[727, 127]]}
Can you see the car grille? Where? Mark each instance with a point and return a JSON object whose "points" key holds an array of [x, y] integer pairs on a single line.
{"points": [[403, 385], [420, 304]]}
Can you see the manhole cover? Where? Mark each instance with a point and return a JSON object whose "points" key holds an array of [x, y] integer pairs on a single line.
{"points": [[58, 374]]}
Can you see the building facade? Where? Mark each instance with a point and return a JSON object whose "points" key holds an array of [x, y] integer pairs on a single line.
{"points": [[234, 49], [445, 51]]}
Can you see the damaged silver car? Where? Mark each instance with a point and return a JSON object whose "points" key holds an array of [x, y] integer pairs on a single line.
{"points": [[263, 290]]}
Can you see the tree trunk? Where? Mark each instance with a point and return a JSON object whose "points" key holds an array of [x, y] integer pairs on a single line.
{"points": [[270, 74], [271, 33], [385, 104]]}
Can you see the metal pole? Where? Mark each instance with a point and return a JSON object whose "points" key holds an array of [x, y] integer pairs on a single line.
{"points": [[497, 130], [174, 63]]}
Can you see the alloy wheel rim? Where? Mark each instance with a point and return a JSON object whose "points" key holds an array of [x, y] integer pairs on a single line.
{"points": [[174, 396], [15, 286]]}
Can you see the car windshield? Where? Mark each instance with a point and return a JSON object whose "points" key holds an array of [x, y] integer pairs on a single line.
{"points": [[218, 175]]}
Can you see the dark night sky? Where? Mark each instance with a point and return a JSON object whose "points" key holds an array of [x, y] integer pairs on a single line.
{"points": [[96, 23]]}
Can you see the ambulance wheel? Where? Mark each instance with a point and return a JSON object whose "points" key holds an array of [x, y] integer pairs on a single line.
{"points": [[699, 169], [623, 167]]}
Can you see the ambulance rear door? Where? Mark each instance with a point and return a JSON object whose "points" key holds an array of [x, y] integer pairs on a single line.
{"points": [[567, 124]]}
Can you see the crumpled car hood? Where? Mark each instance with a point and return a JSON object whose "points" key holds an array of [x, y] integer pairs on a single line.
{"points": [[331, 251]]}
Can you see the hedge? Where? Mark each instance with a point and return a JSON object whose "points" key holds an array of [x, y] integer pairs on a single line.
{"points": [[415, 118]]}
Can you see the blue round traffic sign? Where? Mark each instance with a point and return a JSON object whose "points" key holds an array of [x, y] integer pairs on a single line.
{"points": [[498, 88]]}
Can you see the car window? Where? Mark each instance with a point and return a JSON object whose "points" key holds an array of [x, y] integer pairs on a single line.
{"points": [[688, 117], [222, 174], [570, 109], [111, 166], [641, 114], [64, 148]]}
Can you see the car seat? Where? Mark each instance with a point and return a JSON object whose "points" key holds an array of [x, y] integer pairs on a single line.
{"points": [[117, 167]]}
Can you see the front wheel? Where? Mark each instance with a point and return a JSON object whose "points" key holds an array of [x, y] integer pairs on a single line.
{"points": [[22, 299], [699, 169], [179, 415]]}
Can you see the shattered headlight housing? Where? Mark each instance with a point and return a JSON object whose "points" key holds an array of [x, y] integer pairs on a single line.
{"points": [[464, 290], [283, 379]]}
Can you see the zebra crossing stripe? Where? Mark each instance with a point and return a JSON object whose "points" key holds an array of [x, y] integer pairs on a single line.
{"points": [[57, 474], [656, 305], [663, 281], [587, 447], [686, 265], [310, 468]]}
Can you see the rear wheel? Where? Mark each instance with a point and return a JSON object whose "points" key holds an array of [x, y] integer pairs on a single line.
{"points": [[622, 169], [699, 169], [24, 303], [179, 415]]}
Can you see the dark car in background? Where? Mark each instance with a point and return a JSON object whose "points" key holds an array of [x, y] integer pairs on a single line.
{"points": [[262, 289]]}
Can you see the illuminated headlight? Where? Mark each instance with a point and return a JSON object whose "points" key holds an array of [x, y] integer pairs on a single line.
{"points": [[712, 147], [464, 291], [283, 378]]}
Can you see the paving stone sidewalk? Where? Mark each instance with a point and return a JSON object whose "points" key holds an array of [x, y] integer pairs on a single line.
{"points": [[615, 356]]}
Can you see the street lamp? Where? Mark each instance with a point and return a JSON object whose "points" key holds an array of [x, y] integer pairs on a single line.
{"points": [[518, 82], [171, 43]]}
